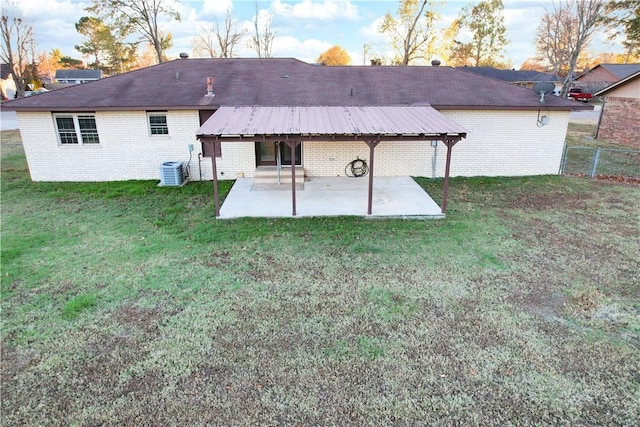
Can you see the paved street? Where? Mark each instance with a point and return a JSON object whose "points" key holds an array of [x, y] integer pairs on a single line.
{"points": [[589, 115], [8, 120]]}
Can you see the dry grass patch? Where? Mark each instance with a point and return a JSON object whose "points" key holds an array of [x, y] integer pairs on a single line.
{"points": [[521, 308]]}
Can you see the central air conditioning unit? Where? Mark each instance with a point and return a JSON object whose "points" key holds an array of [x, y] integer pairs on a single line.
{"points": [[171, 174]]}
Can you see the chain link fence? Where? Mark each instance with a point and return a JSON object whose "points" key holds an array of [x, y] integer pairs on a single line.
{"points": [[593, 161]]}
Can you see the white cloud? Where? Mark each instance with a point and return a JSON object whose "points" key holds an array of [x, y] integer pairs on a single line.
{"points": [[53, 25], [305, 50], [304, 28], [64, 12], [327, 10], [33, 9], [372, 30], [216, 7]]}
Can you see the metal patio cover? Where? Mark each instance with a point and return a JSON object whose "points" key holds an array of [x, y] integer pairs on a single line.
{"points": [[294, 124], [258, 123]]}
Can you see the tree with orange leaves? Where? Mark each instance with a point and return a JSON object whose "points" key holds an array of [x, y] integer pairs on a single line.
{"points": [[335, 55]]}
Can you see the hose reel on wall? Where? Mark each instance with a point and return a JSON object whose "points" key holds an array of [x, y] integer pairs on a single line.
{"points": [[356, 168]]}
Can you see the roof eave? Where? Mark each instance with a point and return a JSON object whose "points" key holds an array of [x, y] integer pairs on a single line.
{"points": [[58, 109], [618, 84], [54, 109], [514, 108], [333, 137]]}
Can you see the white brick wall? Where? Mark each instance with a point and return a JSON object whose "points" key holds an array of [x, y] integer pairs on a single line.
{"points": [[126, 149], [498, 143], [391, 158], [507, 143]]}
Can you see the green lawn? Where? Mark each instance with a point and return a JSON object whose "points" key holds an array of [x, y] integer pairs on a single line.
{"points": [[614, 159], [128, 304]]}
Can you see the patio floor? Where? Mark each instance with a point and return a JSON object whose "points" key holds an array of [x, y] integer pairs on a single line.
{"points": [[331, 196]]}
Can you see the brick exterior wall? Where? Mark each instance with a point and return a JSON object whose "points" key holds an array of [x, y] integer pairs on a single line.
{"points": [[621, 121], [126, 150], [499, 143], [508, 143]]}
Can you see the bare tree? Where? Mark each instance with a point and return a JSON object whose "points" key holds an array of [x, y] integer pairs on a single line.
{"points": [[137, 16], [553, 40], [229, 36], [17, 38], [262, 38], [412, 32], [204, 44], [218, 41], [565, 31]]}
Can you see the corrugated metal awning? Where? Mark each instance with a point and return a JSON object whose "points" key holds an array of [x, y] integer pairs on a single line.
{"points": [[394, 122], [292, 125]]}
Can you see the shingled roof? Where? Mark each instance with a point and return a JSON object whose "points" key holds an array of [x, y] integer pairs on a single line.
{"points": [[513, 76], [619, 71], [182, 84], [621, 82], [78, 74], [5, 71]]}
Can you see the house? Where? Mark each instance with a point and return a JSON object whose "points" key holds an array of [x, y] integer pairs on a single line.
{"points": [[524, 78], [126, 126], [7, 85], [620, 116], [603, 75], [77, 76]]}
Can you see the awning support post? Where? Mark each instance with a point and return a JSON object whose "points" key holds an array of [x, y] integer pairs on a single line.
{"points": [[445, 190], [293, 145], [372, 145]]}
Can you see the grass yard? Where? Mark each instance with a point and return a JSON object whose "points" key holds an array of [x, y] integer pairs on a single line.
{"points": [[614, 160], [128, 304]]}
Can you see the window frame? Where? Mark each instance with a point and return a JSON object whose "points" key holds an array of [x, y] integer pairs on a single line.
{"points": [[155, 126], [78, 133]]}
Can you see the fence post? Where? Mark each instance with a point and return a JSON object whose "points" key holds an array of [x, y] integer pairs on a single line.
{"points": [[563, 161], [595, 163]]}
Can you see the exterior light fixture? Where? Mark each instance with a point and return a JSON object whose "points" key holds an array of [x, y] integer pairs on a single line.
{"points": [[543, 119]]}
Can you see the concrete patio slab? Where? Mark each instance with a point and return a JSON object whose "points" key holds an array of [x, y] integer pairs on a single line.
{"points": [[331, 196]]}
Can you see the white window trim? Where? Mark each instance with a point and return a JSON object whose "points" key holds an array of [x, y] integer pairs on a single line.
{"points": [[76, 127], [157, 113]]}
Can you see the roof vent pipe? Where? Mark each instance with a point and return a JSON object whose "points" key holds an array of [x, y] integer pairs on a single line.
{"points": [[184, 55], [210, 86], [435, 63]]}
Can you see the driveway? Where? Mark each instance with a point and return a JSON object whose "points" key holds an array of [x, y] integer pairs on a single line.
{"points": [[586, 116], [8, 120]]}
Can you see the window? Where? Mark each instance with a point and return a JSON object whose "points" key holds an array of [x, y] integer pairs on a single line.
{"points": [[77, 128], [88, 129], [158, 123]]}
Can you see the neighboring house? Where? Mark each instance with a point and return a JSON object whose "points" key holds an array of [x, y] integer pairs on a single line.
{"points": [[524, 78], [77, 76], [603, 75], [7, 85], [124, 127], [620, 119]]}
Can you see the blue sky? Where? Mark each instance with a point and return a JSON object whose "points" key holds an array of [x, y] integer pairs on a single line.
{"points": [[304, 28]]}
